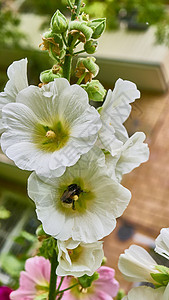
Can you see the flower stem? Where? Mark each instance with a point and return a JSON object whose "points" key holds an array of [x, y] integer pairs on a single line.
{"points": [[81, 79], [70, 287], [67, 66], [70, 4], [60, 284], [82, 51], [77, 4], [53, 276]]}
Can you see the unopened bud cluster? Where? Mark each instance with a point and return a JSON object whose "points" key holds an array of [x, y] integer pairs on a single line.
{"points": [[61, 41]]}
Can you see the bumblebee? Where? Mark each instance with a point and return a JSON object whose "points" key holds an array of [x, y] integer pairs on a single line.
{"points": [[71, 195]]}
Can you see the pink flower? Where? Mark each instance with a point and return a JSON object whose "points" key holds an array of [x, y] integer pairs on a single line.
{"points": [[5, 292], [34, 281], [103, 288]]}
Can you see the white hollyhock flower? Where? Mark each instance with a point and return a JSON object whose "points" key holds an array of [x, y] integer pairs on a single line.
{"points": [[162, 243], [48, 128], [114, 112], [17, 74], [129, 156], [147, 293], [136, 264], [77, 259], [82, 204]]}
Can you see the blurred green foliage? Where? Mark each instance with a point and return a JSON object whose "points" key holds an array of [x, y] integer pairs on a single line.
{"points": [[10, 36]]}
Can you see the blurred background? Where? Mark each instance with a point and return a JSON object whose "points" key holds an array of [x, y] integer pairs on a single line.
{"points": [[134, 47]]}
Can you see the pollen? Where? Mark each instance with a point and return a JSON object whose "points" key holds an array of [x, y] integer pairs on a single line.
{"points": [[75, 197], [82, 290], [50, 134]]}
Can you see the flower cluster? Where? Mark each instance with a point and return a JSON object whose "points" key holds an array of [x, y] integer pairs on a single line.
{"points": [[137, 265], [78, 154]]}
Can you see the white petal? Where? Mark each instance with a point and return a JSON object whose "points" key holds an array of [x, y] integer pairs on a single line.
{"points": [[17, 73], [136, 264], [146, 293], [117, 108], [162, 243], [131, 155]]}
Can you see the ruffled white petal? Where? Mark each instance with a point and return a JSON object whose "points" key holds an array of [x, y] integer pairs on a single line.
{"points": [[162, 243], [17, 74], [116, 108], [131, 155], [82, 259]]}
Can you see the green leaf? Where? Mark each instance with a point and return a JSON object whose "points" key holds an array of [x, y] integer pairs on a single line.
{"points": [[86, 281], [11, 265], [24, 235]]}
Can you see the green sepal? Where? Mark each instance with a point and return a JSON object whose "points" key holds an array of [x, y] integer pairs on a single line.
{"points": [[58, 23], [98, 26], [95, 90], [120, 294], [90, 46], [82, 27], [86, 281], [160, 278], [162, 269], [39, 230], [47, 248], [48, 76]]}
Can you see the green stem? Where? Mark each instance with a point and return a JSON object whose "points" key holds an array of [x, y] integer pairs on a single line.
{"points": [[77, 43], [60, 284], [82, 51], [77, 10], [81, 78], [70, 287], [64, 40], [53, 276], [67, 67], [70, 4]]}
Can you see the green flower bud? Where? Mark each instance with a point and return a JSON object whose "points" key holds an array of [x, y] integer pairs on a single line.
{"points": [[40, 231], [90, 46], [81, 27], [90, 65], [98, 26], [48, 75], [104, 260], [58, 23], [86, 281], [120, 295], [95, 90]]}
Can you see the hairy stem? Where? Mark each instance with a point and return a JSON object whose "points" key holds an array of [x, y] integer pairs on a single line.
{"points": [[77, 4]]}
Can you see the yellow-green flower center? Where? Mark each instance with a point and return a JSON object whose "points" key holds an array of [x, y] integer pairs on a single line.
{"points": [[75, 253], [51, 137]]}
